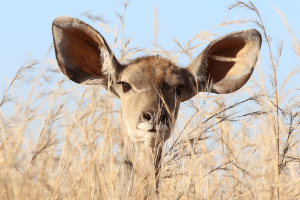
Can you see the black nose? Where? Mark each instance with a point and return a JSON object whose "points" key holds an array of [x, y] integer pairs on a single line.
{"points": [[147, 116]]}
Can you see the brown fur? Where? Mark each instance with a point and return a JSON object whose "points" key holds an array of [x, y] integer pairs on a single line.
{"points": [[156, 88]]}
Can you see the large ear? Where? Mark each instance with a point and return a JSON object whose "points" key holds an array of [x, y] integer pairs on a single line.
{"points": [[227, 63], [82, 53]]}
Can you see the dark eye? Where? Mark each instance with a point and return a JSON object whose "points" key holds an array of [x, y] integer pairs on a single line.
{"points": [[126, 87], [179, 90]]}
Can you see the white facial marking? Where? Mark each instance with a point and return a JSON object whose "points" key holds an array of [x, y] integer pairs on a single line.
{"points": [[141, 90], [145, 126], [143, 134], [137, 136]]}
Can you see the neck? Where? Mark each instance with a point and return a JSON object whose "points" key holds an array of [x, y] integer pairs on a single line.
{"points": [[139, 169]]}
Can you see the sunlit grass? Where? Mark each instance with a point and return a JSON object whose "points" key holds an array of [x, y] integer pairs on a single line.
{"points": [[65, 142]]}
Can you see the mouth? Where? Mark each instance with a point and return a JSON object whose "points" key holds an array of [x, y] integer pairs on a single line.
{"points": [[152, 130], [162, 128], [149, 134]]}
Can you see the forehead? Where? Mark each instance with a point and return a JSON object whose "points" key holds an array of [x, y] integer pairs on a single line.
{"points": [[152, 70]]}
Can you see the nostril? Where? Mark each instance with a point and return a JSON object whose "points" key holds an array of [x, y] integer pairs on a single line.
{"points": [[147, 116]]}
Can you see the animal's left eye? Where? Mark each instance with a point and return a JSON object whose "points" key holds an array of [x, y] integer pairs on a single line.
{"points": [[126, 86], [179, 89]]}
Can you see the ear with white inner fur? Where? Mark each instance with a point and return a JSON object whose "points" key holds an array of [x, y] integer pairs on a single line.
{"points": [[227, 63], [82, 53]]}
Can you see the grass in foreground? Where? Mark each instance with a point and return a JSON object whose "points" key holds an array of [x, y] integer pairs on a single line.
{"points": [[65, 142]]}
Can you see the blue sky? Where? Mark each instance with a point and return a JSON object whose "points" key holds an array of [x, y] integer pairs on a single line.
{"points": [[26, 25]]}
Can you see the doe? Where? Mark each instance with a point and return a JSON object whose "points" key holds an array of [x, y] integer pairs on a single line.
{"points": [[151, 88]]}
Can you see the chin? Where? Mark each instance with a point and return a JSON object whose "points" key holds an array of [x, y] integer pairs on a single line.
{"points": [[149, 135], [150, 138]]}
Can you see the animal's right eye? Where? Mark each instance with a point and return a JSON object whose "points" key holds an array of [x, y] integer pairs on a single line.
{"points": [[179, 89], [126, 87]]}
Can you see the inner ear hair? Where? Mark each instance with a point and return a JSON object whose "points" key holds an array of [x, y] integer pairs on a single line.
{"points": [[83, 54], [227, 63]]}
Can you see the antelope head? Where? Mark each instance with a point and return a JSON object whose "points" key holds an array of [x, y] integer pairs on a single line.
{"points": [[151, 88]]}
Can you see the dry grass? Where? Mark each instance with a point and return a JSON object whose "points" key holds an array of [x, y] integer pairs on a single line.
{"points": [[64, 143]]}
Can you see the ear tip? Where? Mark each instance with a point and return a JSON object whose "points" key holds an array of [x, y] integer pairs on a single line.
{"points": [[254, 35], [62, 18], [252, 31], [63, 21]]}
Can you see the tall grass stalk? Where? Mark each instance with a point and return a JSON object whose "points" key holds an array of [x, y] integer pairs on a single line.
{"points": [[63, 141]]}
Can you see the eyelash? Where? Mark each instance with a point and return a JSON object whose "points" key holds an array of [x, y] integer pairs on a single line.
{"points": [[125, 86]]}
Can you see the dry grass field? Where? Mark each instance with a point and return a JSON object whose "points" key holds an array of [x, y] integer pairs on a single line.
{"points": [[65, 142]]}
